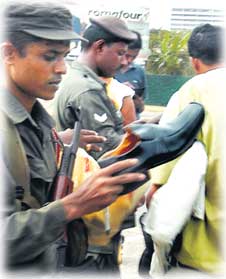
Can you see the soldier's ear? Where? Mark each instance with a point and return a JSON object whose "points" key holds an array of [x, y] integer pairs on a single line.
{"points": [[98, 45], [8, 52]]}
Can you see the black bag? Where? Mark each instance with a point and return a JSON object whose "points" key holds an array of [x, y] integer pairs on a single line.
{"points": [[77, 243], [72, 247]]}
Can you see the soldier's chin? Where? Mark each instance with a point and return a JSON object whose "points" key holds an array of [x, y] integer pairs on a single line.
{"points": [[48, 95]]}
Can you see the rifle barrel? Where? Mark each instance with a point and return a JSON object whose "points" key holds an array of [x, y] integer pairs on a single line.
{"points": [[74, 147]]}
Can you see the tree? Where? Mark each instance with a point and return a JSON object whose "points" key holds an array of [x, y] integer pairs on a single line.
{"points": [[169, 53]]}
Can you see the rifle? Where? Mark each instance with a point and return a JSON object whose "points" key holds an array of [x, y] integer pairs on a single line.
{"points": [[72, 246], [63, 182]]}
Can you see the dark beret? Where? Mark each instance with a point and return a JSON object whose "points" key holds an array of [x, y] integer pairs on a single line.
{"points": [[114, 26]]}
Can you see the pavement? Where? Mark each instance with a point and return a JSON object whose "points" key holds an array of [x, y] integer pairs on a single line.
{"points": [[133, 247]]}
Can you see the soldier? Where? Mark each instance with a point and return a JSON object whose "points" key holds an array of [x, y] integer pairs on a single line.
{"points": [[36, 40]]}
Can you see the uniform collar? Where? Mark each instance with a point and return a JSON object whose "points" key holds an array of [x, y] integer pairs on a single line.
{"points": [[18, 114], [87, 71]]}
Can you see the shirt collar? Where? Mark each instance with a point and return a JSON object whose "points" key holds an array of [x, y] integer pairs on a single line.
{"points": [[131, 66], [87, 70], [18, 114]]}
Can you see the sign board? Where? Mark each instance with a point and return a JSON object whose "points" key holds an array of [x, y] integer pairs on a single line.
{"points": [[136, 17]]}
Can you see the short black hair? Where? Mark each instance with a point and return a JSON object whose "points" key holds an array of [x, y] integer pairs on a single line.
{"points": [[137, 43], [94, 33], [206, 43]]}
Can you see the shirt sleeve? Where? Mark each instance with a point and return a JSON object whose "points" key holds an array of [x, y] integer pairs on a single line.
{"points": [[97, 113], [29, 233], [102, 117]]}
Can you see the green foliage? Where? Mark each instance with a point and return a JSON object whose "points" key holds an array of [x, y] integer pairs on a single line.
{"points": [[169, 53]]}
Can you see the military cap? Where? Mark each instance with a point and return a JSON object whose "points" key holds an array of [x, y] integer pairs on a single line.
{"points": [[45, 20], [114, 26]]}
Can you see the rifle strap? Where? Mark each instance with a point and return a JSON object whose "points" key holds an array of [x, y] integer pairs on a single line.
{"points": [[58, 145], [16, 161]]}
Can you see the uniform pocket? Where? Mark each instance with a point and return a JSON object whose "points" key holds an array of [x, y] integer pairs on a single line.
{"points": [[40, 170]]}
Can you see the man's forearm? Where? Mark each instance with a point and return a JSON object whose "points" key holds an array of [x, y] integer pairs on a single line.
{"points": [[30, 232]]}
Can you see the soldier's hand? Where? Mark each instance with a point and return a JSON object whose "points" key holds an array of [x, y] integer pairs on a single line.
{"points": [[100, 189], [88, 140]]}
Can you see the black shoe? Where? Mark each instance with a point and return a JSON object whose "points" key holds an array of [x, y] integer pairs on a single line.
{"points": [[145, 264], [145, 260], [157, 144]]}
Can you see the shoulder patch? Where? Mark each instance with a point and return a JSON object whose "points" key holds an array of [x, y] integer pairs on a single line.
{"points": [[100, 118]]}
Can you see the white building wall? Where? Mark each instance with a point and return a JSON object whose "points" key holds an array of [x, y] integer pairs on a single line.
{"points": [[188, 18], [178, 14]]}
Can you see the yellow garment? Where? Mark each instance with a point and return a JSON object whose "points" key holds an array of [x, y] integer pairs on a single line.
{"points": [[84, 166], [202, 245], [117, 91]]}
